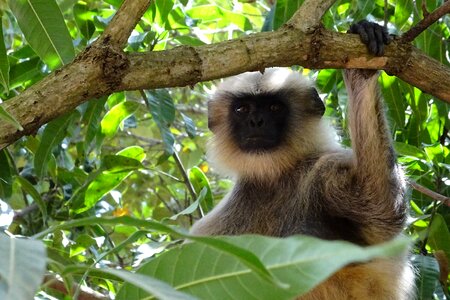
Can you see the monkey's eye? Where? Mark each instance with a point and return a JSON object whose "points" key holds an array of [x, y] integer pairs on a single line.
{"points": [[242, 109], [275, 107]]}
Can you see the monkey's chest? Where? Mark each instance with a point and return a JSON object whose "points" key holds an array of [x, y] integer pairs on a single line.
{"points": [[281, 214]]}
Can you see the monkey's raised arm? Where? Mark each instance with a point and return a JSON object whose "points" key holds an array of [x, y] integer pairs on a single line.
{"points": [[380, 187]]}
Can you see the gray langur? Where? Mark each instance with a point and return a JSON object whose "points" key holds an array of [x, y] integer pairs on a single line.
{"points": [[293, 178]]}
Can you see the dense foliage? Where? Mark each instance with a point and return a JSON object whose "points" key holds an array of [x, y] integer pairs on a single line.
{"points": [[103, 186]]}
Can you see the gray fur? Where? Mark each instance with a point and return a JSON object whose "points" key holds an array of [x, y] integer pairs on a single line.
{"points": [[319, 189]]}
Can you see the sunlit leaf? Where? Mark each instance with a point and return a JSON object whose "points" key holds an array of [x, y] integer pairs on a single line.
{"points": [[408, 150], [115, 169], [403, 10], [44, 28], [200, 182], [117, 114], [83, 18]]}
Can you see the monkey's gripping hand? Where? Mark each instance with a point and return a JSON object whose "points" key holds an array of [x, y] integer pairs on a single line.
{"points": [[372, 35]]}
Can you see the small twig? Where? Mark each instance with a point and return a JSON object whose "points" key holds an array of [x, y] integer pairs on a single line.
{"points": [[426, 22], [149, 141], [85, 294], [425, 11], [432, 194], [183, 172], [385, 13]]}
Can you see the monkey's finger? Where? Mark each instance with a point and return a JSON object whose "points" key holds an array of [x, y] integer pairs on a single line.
{"points": [[387, 38], [379, 41], [370, 31]]}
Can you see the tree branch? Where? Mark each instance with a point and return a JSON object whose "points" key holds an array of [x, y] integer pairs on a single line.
{"points": [[426, 22], [85, 294], [432, 194], [308, 17], [102, 70], [123, 22]]}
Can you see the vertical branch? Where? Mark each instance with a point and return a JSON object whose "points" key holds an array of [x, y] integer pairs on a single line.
{"points": [[308, 17], [123, 22]]}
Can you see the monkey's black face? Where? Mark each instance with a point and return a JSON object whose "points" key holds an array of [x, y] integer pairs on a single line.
{"points": [[258, 122]]}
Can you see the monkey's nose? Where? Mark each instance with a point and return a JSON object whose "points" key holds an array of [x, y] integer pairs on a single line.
{"points": [[256, 122]]}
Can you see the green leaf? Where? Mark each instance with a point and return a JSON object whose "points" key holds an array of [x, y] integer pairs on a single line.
{"points": [[83, 18], [193, 207], [119, 163], [403, 10], [53, 134], [91, 119], [116, 168], [30, 190], [392, 94], [25, 72], [200, 182], [134, 152], [327, 79], [6, 172], [116, 116], [439, 235], [246, 257], [22, 266], [162, 109], [162, 106], [428, 279], [43, 25], [213, 272], [284, 10], [163, 9], [4, 115], [189, 125], [409, 150], [363, 8], [151, 285], [223, 17], [4, 62]]}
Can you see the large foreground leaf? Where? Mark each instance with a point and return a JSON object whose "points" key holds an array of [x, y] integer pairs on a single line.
{"points": [[299, 262], [22, 267]]}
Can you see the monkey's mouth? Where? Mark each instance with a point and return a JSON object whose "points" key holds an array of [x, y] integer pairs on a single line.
{"points": [[258, 143]]}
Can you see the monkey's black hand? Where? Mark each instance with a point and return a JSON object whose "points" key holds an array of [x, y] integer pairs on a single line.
{"points": [[371, 34]]}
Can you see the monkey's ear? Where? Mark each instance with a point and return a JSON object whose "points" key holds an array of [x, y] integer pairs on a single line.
{"points": [[317, 104]]}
